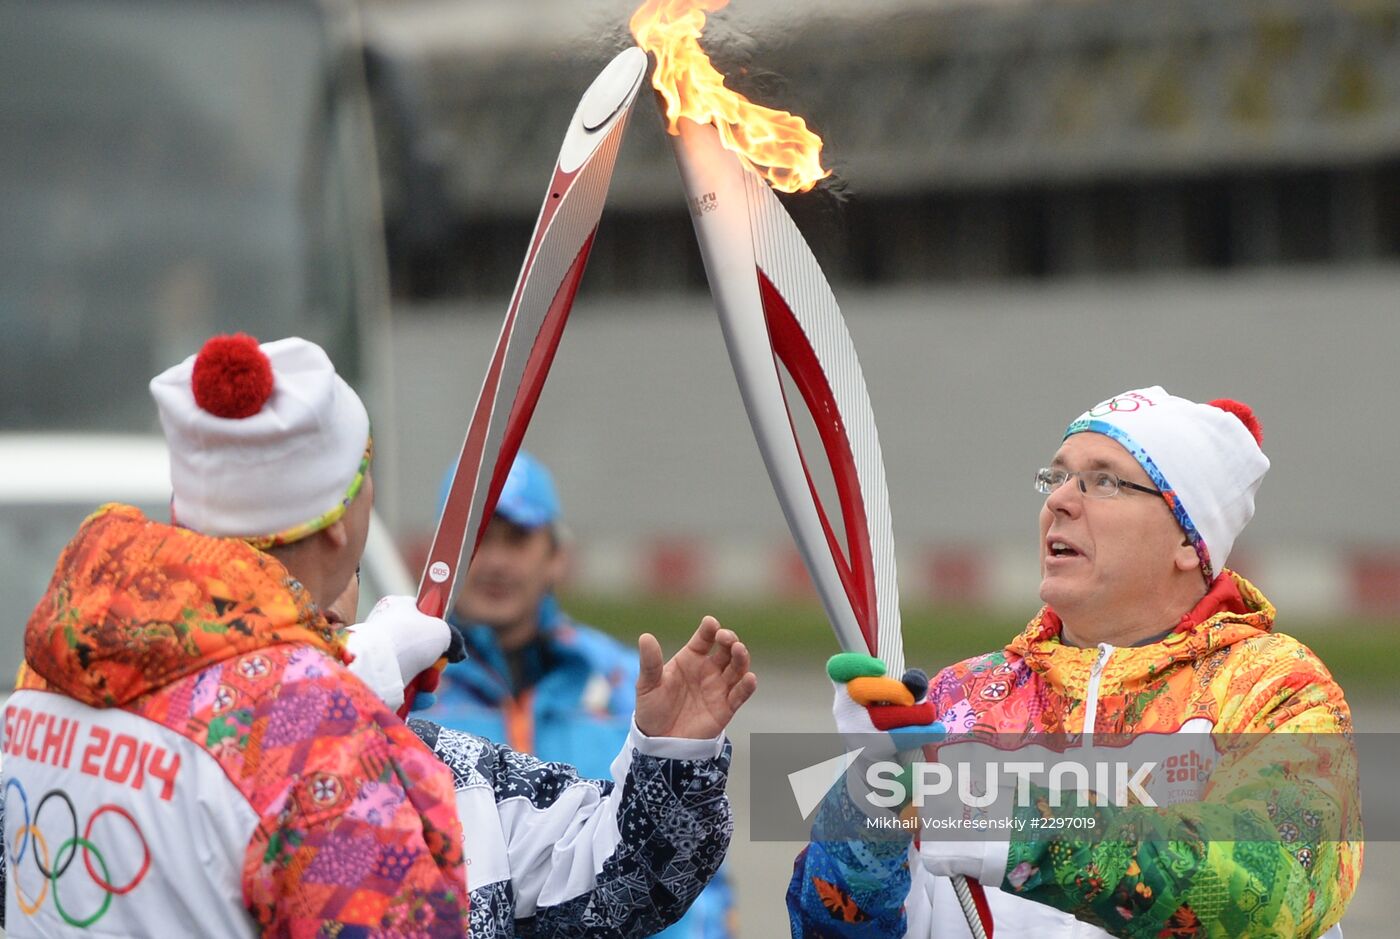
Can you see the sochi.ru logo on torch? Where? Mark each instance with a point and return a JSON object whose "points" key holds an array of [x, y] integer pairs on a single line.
{"points": [[702, 204]]}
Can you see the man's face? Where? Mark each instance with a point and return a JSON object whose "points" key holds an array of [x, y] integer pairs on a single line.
{"points": [[512, 571], [1117, 551]]}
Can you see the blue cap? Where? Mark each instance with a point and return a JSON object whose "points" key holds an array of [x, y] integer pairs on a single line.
{"points": [[528, 497]]}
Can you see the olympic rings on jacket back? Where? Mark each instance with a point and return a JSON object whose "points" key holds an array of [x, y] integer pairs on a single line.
{"points": [[68, 850]]}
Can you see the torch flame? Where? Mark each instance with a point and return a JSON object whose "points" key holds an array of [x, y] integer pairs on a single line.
{"points": [[775, 144]]}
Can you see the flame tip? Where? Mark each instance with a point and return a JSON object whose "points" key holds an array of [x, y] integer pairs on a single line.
{"points": [[776, 144]]}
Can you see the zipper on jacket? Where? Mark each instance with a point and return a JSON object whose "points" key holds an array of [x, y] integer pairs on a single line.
{"points": [[1091, 695]]}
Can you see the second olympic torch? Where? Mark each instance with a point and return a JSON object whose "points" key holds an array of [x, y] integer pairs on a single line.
{"points": [[534, 323], [778, 312]]}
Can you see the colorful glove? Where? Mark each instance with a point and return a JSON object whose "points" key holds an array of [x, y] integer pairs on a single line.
{"points": [[394, 644], [867, 702], [886, 716], [879, 717]]}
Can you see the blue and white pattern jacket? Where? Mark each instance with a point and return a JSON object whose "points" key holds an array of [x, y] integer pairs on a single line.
{"points": [[556, 856], [576, 709]]}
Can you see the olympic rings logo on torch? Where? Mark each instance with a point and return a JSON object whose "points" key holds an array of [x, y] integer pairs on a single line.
{"points": [[53, 868]]}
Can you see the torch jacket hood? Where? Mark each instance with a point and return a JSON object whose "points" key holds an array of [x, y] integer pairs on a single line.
{"points": [[134, 605], [1038, 685]]}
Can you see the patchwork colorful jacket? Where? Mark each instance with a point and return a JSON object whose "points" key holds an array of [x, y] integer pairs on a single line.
{"points": [[186, 754], [1268, 842]]}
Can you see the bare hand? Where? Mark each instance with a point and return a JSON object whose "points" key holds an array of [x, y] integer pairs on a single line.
{"points": [[697, 693]]}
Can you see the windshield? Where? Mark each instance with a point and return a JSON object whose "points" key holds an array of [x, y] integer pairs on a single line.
{"points": [[167, 171]]}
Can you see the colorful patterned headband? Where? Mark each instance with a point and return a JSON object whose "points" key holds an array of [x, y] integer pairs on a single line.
{"points": [[324, 520]]}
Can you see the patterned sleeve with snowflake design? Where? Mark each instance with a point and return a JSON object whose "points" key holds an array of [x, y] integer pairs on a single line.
{"points": [[568, 857]]}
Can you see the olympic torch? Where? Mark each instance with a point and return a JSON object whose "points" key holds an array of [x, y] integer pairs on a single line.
{"points": [[534, 323], [777, 312], [776, 309]]}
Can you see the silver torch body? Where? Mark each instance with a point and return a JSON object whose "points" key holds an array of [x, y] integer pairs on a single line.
{"points": [[777, 312]]}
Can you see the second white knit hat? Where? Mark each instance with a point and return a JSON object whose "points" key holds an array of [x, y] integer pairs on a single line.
{"points": [[1205, 458]]}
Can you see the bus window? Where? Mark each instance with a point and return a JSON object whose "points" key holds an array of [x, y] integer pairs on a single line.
{"points": [[169, 171]]}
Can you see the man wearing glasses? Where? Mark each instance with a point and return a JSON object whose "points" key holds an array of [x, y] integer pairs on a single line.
{"points": [[1245, 821]]}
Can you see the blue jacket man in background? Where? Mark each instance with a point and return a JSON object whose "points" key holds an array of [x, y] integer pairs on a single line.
{"points": [[535, 679]]}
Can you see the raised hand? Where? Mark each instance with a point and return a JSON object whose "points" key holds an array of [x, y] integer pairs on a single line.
{"points": [[697, 693]]}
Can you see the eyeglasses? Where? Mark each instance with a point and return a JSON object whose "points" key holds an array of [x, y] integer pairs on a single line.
{"points": [[1096, 484]]}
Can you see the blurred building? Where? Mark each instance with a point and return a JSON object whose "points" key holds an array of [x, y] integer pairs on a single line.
{"points": [[975, 141], [1038, 204], [172, 171]]}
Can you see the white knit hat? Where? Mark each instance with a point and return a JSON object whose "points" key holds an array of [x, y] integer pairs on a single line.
{"points": [[267, 443], [1205, 458]]}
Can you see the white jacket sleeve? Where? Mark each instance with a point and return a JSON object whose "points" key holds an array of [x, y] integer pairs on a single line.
{"points": [[553, 855]]}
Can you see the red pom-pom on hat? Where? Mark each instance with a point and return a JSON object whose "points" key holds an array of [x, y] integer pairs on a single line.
{"points": [[232, 376], [1246, 415]]}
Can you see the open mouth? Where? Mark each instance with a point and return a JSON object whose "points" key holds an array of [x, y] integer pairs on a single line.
{"points": [[1062, 549]]}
